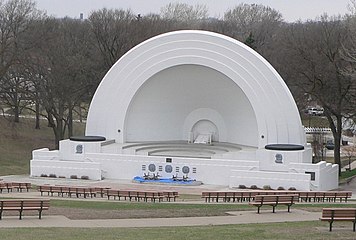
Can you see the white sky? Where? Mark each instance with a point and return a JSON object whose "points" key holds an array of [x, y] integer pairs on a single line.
{"points": [[291, 10]]}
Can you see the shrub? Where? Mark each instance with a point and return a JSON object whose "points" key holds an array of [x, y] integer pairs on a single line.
{"points": [[52, 175], [292, 189], [280, 188], [73, 177], [242, 186], [84, 177], [267, 187], [44, 175], [254, 187]]}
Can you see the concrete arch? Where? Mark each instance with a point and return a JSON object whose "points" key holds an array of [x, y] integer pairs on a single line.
{"points": [[276, 114], [205, 114]]}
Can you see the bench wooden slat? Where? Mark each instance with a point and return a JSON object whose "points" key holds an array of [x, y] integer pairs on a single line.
{"points": [[274, 200], [339, 214], [24, 205]]}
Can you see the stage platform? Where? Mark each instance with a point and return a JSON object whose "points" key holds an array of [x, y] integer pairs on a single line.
{"points": [[177, 149]]}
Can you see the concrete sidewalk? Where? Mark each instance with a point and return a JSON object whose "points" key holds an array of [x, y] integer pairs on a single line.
{"points": [[238, 217]]}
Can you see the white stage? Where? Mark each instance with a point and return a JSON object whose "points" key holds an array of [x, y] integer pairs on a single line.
{"points": [[197, 104]]}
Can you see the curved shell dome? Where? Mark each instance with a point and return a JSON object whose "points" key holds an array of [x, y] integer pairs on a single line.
{"points": [[194, 82]]}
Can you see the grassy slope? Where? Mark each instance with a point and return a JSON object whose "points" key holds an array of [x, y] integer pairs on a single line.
{"points": [[17, 140]]}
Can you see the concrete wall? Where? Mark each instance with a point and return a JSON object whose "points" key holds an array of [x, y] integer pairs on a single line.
{"points": [[229, 172], [273, 179]]}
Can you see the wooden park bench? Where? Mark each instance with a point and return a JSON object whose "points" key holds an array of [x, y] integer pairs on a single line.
{"points": [[209, 196], [339, 214], [3, 187], [101, 190], [152, 195], [274, 200], [126, 194], [214, 196], [83, 191], [53, 189], [170, 195], [322, 196], [240, 196], [19, 186], [22, 205]]}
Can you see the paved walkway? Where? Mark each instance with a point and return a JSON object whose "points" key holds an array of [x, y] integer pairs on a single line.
{"points": [[240, 217]]}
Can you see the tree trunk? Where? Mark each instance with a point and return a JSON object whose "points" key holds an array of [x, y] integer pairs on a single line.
{"points": [[16, 114], [58, 132], [51, 123], [80, 113], [337, 143], [37, 112], [337, 132], [70, 122]]}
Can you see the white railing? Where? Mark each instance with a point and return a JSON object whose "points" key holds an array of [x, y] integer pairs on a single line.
{"points": [[311, 130]]}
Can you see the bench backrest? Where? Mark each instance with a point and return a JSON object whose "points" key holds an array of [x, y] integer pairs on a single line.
{"points": [[170, 194], [337, 194], [15, 203], [277, 198], [339, 212], [44, 188]]}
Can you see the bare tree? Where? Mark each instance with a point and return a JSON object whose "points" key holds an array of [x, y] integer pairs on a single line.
{"points": [[350, 153], [14, 91], [313, 52], [16, 18], [183, 12], [64, 75], [112, 32], [253, 24]]}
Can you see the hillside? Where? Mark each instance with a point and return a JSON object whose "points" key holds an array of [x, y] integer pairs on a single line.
{"points": [[17, 140]]}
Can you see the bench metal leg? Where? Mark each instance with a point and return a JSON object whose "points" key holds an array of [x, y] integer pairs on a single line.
{"points": [[39, 214], [20, 215], [273, 208], [330, 226], [258, 209], [354, 226], [288, 208]]}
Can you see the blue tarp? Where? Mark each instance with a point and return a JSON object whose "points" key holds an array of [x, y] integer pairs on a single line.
{"points": [[163, 180]]}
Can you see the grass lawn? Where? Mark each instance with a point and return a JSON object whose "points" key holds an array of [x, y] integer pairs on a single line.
{"points": [[17, 140], [283, 230], [125, 205], [291, 230]]}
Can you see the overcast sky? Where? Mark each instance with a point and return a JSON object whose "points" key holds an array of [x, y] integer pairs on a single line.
{"points": [[291, 10]]}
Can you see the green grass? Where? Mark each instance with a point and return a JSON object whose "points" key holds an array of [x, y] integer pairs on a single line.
{"points": [[144, 206], [17, 140], [347, 174], [292, 230], [116, 205]]}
